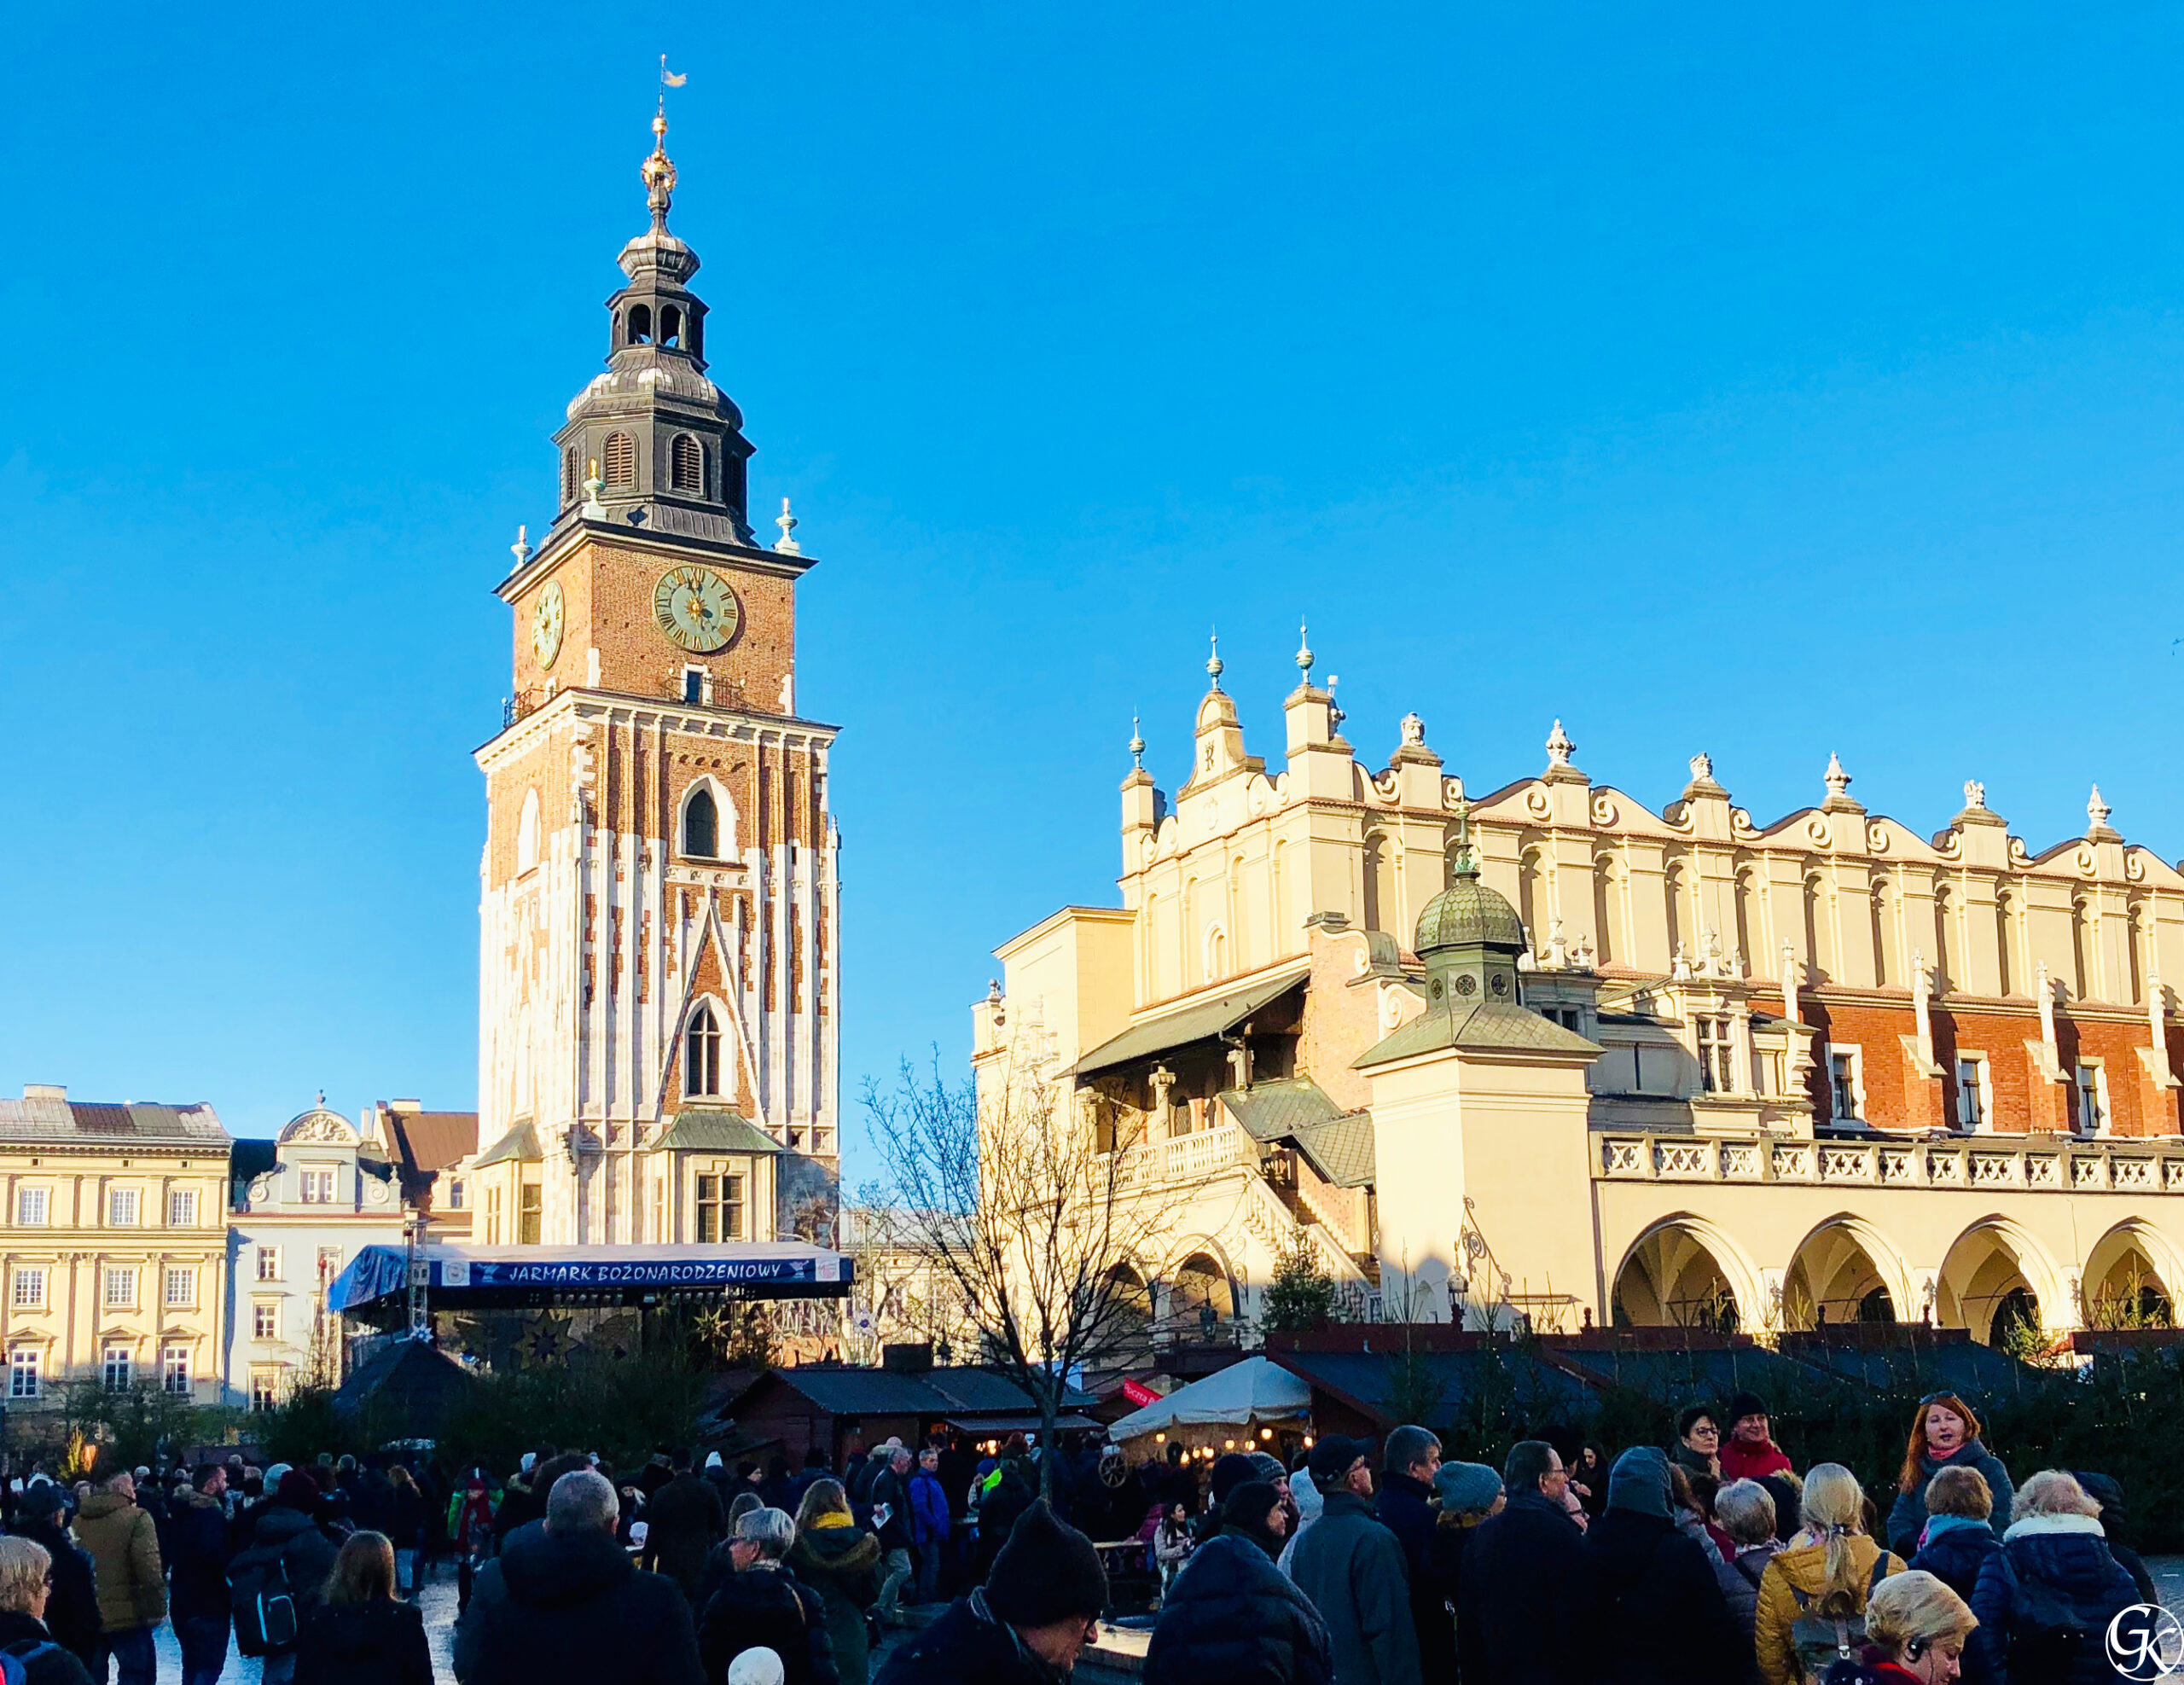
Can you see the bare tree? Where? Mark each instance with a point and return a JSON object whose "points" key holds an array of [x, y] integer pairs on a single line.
{"points": [[1020, 1210]]}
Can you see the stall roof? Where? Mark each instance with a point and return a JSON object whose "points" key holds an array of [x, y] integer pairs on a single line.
{"points": [[479, 1276], [967, 1395]]}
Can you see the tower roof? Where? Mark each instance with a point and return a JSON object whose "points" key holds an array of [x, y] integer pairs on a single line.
{"points": [[1467, 912]]}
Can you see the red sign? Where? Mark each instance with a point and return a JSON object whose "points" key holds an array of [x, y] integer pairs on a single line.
{"points": [[1140, 1394]]}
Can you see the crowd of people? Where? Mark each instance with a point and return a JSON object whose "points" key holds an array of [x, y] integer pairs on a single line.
{"points": [[1709, 1559]]}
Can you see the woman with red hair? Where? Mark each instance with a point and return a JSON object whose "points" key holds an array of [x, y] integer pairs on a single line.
{"points": [[1945, 1434]]}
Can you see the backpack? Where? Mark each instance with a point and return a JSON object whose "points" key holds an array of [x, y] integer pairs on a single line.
{"points": [[15, 1660], [1823, 1641], [262, 1602], [2042, 1632]]}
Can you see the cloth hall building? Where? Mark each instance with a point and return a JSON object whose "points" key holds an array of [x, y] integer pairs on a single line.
{"points": [[1535, 1050], [658, 1000]]}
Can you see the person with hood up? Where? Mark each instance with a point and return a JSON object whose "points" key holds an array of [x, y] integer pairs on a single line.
{"points": [[761, 1603], [1512, 1591], [1746, 1510], [360, 1634], [72, 1612], [1958, 1537], [1658, 1614], [285, 1534], [1352, 1569], [1944, 1435], [2108, 1492], [2046, 1599], [1304, 1498], [1750, 1453], [563, 1601], [840, 1560], [197, 1560], [123, 1544], [24, 1588], [1026, 1626], [1231, 1618], [1807, 1587]]}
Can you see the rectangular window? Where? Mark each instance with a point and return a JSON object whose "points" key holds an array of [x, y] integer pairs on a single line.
{"points": [[120, 1287], [492, 1217], [268, 1263], [174, 1366], [182, 1286], [265, 1319], [318, 1187], [115, 1369], [1843, 1079], [1971, 1095], [264, 1389], [659, 1208], [720, 1208], [693, 684], [2093, 1110], [1717, 1057], [30, 1289], [121, 1207], [182, 1208], [455, 1194], [30, 1207], [22, 1373], [531, 1215]]}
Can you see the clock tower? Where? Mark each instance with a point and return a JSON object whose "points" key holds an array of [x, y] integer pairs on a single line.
{"points": [[659, 972]]}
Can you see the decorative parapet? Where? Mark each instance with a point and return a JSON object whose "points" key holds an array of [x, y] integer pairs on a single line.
{"points": [[2065, 1167]]}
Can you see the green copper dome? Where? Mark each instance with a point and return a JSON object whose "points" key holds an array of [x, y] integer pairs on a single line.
{"points": [[1467, 911]]}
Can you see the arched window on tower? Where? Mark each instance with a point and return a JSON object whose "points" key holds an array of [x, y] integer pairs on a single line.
{"points": [[621, 459], [701, 825], [687, 464], [671, 326], [640, 324], [701, 1054], [571, 480]]}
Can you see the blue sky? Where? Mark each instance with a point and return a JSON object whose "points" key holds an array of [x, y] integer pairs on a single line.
{"points": [[1766, 384]]}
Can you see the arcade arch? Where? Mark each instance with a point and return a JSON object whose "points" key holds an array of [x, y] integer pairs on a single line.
{"points": [[1844, 1272], [1996, 1275], [2129, 1281], [1683, 1273]]}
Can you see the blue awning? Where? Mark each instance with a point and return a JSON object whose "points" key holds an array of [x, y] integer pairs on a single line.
{"points": [[480, 1276]]}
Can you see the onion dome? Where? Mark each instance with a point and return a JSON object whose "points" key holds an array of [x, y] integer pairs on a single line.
{"points": [[1468, 912]]}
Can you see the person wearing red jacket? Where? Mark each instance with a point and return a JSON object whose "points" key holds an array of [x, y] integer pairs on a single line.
{"points": [[1748, 1453]]}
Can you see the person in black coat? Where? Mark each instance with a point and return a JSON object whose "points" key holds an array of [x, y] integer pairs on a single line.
{"points": [[24, 1637], [1656, 1611], [197, 1553], [1404, 1506], [359, 1634], [563, 1601], [1026, 1626], [2054, 1573], [1231, 1616], [2108, 1492], [761, 1604], [72, 1612], [1959, 1537], [1512, 1592]]}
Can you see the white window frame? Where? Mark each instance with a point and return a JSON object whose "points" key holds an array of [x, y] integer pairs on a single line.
{"points": [[23, 1372], [117, 1367], [1714, 1037], [268, 1263], [2097, 1071], [263, 1310], [174, 1370], [32, 1278], [312, 1181], [125, 1275], [186, 1280], [123, 1208], [182, 1208], [264, 1389], [1983, 1094], [31, 1206], [455, 1192], [1856, 1055]]}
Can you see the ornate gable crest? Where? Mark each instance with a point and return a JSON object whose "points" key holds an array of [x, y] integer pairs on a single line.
{"points": [[320, 1127]]}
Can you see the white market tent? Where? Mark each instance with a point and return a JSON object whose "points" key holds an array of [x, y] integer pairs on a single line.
{"points": [[1255, 1390]]}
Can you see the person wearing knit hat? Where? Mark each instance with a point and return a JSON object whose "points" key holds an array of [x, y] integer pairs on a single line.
{"points": [[1749, 1453], [1026, 1626], [1467, 1489], [1657, 1602]]}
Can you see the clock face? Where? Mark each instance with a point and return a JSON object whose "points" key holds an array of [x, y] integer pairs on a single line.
{"points": [[546, 624], [696, 609]]}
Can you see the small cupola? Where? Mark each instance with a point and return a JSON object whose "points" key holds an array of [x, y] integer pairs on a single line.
{"points": [[1469, 937]]}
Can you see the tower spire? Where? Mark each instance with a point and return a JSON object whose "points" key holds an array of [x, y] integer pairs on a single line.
{"points": [[658, 170]]}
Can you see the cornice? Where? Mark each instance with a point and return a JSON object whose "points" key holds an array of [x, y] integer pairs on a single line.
{"points": [[566, 536]]}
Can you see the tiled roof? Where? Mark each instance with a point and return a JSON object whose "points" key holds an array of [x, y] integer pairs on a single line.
{"points": [[715, 1132], [433, 1140], [520, 1143], [1490, 1026], [1343, 1149], [102, 1123], [248, 1161], [948, 1392], [1271, 1110], [1194, 1023]]}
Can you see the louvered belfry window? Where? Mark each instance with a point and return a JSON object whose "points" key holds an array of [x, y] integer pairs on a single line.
{"points": [[687, 465], [621, 459], [569, 477]]}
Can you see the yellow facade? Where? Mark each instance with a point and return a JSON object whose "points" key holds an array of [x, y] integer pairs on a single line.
{"points": [[116, 1247]]}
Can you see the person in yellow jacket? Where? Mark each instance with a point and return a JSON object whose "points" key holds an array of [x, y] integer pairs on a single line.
{"points": [[1812, 1598]]}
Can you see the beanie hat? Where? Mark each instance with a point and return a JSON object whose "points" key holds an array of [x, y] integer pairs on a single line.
{"points": [[756, 1665], [1331, 1458], [1267, 1467], [1745, 1404], [298, 1491], [1230, 1471], [1047, 1572], [1466, 1488], [1639, 1482], [274, 1474], [44, 1498], [712, 1461]]}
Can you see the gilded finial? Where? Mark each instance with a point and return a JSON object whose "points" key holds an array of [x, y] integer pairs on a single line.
{"points": [[1213, 662], [658, 170]]}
